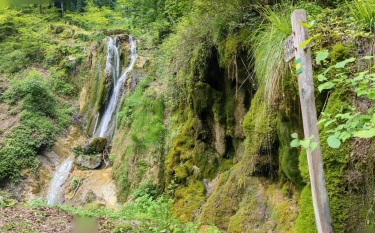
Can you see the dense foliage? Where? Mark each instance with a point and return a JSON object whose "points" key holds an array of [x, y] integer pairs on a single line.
{"points": [[205, 56]]}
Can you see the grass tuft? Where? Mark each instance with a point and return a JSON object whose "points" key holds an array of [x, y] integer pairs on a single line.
{"points": [[364, 12], [268, 48]]}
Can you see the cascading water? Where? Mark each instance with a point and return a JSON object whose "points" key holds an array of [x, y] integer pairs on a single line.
{"points": [[106, 125], [54, 195], [108, 121]]}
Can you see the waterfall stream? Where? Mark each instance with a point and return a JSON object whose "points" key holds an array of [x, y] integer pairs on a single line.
{"points": [[54, 195], [107, 125]]}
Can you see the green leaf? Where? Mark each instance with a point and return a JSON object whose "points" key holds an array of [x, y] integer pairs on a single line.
{"points": [[371, 95], [306, 25], [294, 135], [313, 146], [333, 142], [365, 133], [321, 56], [343, 63], [321, 121], [328, 123], [295, 143], [305, 143], [322, 78], [344, 136], [306, 42], [326, 86], [367, 57]]}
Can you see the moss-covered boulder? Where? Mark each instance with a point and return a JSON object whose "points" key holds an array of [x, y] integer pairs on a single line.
{"points": [[93, 146]]}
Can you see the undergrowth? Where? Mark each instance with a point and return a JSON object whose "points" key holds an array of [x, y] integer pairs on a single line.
{"points": [[42, 116], [153, 215]]}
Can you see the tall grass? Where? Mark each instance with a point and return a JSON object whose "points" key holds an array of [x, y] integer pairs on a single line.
{"points": [[364, 12], [268, 48]]}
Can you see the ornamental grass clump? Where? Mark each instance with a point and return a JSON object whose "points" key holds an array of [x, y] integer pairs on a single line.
{"points": [[268, 48], [364, 12]]}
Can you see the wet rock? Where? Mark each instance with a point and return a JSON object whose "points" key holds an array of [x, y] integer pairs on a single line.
{"points": [[89, 161], [93, 146]]}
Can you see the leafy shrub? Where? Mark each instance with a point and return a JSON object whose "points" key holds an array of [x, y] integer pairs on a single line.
{"points": [[146, 188], [34, 93], [41, 118], [13, 61]]}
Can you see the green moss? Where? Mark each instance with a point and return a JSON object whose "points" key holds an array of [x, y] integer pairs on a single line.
{"points": [[261, 136], [288, 156], [303, 166], [204, 97], [347, 207], [181, 172], [224, 201], [340, 52], [246, 216], [306, 220], [188, 200]]}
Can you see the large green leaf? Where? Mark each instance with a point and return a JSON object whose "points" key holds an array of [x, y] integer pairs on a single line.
{"points": [[343, 63], [321, 56], [326, 86], [294, 143], [333, 142], [365, 133]]}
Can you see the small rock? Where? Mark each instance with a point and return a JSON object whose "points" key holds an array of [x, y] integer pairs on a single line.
{"points": [[89, 161]]}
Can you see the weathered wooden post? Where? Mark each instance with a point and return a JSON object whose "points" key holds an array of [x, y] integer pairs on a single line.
{"points": [[307, 97]]}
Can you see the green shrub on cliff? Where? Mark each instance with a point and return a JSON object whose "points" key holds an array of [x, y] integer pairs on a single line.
{"points": [[42, 116]]}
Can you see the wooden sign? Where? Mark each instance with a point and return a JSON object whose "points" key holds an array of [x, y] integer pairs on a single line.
{"points": [[289, 49]]}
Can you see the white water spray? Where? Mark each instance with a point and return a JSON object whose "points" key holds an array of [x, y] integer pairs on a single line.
{"points": [[108, 121], [54, 194]]}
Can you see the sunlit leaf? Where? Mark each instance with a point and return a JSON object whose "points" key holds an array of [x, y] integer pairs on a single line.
{"points": [[295, 143], [305, 143], [321, 121], [326, 86], [322, 78], [343, 63], [294, 135], [306, 42], [367, 57], [321, 56], [333, 142], [306, 25], [328, 123], [371, 95], [365, 133], [313, 146]]}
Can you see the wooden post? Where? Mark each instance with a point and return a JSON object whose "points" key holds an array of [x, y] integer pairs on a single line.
{"points": [[307, 97]]}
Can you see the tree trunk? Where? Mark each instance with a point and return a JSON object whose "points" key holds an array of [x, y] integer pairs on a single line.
{"points": [[62, 10], [41, 9]]}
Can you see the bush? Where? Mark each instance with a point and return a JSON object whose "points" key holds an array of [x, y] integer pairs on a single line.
{"points": [[41, 118], [34, 94]]}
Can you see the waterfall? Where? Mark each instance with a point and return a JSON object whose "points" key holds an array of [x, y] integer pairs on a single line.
{"points": [[54, 194], [108, 121]]}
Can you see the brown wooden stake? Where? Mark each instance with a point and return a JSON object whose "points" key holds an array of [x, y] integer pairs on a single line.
{"points": [[307, 97]]}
